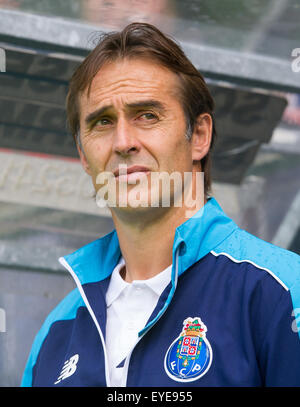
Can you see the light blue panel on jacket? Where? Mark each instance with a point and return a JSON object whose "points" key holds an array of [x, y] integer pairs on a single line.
{"points": [[96, 260], [65, 310]]}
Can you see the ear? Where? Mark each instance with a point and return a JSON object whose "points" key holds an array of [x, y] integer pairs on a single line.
{"points": [[201, 137], [82, 156]]}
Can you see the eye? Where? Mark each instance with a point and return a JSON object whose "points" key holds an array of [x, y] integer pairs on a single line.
{"points": [[102, 122], [148, 116]]}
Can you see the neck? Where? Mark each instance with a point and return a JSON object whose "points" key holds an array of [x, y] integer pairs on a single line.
{"points": [[146, 238]]}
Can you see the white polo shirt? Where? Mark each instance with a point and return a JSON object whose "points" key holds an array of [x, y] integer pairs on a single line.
{"points": [[129, 306]]}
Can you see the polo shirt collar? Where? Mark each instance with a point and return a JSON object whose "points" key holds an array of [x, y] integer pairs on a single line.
{"points": [[157, 283]]}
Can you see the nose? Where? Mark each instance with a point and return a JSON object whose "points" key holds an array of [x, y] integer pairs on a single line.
{"points": [[125, 141]]}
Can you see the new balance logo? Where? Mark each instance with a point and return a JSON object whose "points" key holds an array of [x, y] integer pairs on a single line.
{"points": [[68, 369]]}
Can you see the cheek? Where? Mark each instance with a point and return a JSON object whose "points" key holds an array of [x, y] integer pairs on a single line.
{"points": [[96, 154], [179, 154]]}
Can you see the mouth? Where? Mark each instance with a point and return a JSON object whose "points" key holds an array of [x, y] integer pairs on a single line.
{"points": [[131, 173]]}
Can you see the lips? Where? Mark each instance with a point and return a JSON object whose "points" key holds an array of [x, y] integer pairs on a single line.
{"points": [[130, 170], [131, 174]]}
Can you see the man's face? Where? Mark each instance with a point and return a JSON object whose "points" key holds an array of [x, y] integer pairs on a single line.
{"points": [[133, 116]]}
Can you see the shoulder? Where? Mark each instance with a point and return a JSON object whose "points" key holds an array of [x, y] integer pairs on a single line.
{"points": [[65, 310], [273, 272], [243, 247], [277, 269]]}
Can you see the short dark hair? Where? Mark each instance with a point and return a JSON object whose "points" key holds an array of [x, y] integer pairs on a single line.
{"points": [[142, 40]]}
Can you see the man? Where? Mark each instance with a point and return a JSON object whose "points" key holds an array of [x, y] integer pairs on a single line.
{"points": [[177, 294]]}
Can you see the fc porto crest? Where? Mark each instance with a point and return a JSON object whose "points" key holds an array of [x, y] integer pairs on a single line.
{"points": [[189, 357]]}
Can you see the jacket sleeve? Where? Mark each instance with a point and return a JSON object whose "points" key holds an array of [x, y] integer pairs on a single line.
{"points": [[66, 309], [279, 355], [28, 372]]}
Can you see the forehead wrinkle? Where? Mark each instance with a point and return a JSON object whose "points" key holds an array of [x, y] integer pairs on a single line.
{"points": [[114, 98], [104, 81], [111, 91], [123, 85], [121, 72]]}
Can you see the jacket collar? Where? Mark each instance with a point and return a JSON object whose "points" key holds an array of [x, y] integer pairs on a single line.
{"points": [[202, 233], [198, 235]]}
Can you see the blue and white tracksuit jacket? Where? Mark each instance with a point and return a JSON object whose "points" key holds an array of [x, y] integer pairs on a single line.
{"points": [[229, 317]]}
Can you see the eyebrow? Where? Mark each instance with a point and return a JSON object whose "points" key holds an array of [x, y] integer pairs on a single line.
{"points": [[130, 106]]}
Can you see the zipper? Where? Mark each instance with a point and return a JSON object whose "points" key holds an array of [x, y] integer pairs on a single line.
{"points": [[82, 293], [127, 360]]}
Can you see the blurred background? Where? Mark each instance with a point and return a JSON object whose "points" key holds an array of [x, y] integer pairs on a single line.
{"points": [[247, 52]]}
